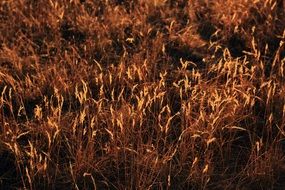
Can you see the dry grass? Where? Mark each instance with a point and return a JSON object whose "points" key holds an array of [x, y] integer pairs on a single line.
{"points": [[143, 94]]}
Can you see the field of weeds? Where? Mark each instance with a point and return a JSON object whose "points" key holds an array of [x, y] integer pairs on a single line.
{"points": [[142, 94]]}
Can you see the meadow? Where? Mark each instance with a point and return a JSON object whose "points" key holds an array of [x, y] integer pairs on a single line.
{"points": [[142, 94]]}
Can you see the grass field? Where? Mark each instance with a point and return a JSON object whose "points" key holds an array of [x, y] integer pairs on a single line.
{"points": [[142, 94]]}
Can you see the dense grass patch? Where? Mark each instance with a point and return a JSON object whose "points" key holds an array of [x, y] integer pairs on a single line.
{"points": [[159, 94]]}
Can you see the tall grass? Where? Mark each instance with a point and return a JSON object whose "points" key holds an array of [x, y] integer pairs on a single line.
{"points": [[142, 94]]}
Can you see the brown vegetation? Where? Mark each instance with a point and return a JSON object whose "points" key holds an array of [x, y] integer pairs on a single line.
{"points": [[161, 94]]}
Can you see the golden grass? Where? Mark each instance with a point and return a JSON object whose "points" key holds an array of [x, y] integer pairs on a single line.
{"points": [[142, 94]]}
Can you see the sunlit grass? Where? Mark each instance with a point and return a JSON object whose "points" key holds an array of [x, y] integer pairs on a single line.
{"points": [[142, 94]]}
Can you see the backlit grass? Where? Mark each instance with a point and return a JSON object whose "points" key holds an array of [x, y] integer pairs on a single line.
{"points": [[142, 94]]}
